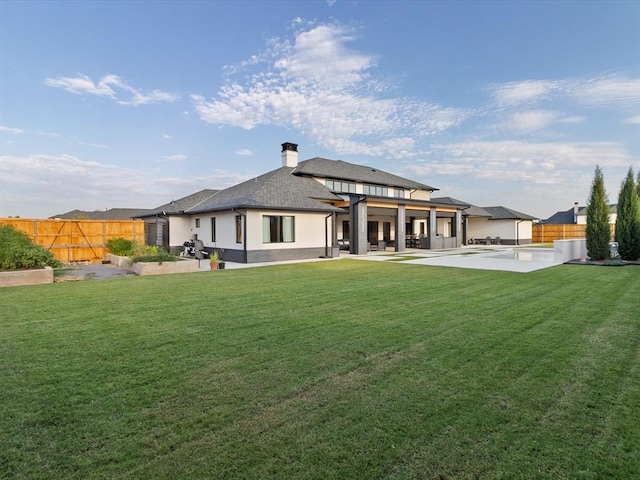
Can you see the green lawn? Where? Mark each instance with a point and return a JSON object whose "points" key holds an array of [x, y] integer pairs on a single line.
{"points": [[328, 370]]}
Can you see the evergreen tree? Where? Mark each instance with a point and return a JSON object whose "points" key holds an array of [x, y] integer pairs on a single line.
{"points": [[598, 230], [628, 220]]}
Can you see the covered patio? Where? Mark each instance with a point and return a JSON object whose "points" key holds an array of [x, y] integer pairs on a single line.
{"points": [[380, 223]]}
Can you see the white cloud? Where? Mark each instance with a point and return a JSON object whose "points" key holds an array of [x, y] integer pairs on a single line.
{"points": [[537, 163], [612, 91], [245, 152], [112, 87], [531, 121], [515, 93], [635, 120], [173, 158], [13, 131], [609, 92], [325, 90], [68, 182]]}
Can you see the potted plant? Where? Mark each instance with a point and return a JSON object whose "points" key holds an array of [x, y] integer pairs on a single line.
{"points": [[214, 260]]}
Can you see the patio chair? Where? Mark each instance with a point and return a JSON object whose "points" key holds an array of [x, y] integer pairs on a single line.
{"points": [[487, 241], [496, 241]]}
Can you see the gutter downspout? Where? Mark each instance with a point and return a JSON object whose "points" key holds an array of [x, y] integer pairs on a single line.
{"points": [[518, 231], [326, 237]]}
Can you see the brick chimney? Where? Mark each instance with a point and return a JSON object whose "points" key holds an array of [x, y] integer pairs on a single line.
{"points": [[290, 155]]}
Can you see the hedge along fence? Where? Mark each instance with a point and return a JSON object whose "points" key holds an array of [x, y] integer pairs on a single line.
{"points": [[77, 240], [548, 233]]}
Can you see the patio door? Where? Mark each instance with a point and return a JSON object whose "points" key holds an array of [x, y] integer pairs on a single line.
{"points": [[386, 231], [372, 232]]}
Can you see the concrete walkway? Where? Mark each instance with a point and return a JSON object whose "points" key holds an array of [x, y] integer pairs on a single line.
{"points": [[502, 257]]}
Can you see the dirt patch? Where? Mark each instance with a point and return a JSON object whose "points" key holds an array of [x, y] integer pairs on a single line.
{"points": [[92, 271]]}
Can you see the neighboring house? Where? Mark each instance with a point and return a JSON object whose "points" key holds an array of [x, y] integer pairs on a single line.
{"points": [[110, 214], [500, 224], [157, 222], [577, 216], [307, 209]]}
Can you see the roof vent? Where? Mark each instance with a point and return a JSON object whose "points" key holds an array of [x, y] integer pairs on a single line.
{"points": [[290, 154]]}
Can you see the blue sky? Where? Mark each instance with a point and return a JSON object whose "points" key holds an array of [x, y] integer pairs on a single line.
{"points": [[133, 104]]}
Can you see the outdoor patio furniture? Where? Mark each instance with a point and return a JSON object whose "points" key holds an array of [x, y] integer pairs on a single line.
{"points": [[496, 241]]}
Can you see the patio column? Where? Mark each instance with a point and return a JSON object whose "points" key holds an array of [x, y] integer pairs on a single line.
{"points": [[358, 220], [457, 228], [401, 221], [433, 227]]}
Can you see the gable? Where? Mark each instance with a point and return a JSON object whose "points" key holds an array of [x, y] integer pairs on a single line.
{"points": [[341, 170]]}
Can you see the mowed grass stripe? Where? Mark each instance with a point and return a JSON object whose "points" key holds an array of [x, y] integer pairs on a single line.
{"points": [[329, 370]]}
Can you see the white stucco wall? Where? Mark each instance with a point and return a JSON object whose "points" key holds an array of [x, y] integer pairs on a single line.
{"points": [[179, 230], [582, 219], [309, 230], [480, 227]]}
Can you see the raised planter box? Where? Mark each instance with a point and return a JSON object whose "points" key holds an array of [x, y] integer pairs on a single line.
{"points": [[26, 277], [154, 268], [118, 261], [149, 268]]}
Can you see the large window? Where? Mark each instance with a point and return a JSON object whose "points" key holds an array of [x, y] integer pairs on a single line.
{"points": [[276, 229], [376, 190], [238, 228], [340, 186], [398, 193], [213, 229]]}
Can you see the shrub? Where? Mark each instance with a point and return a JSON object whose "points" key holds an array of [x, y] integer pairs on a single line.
{"points": [[18, 252], [628, 219], [121, 246], [598, 230], [153, 255]]}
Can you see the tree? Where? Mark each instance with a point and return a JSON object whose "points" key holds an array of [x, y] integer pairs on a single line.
{"points": [[598, 230], [628, 220]]}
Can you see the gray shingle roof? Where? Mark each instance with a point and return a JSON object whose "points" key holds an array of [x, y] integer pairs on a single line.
{"points": [[110, 214], [567, 217], [278, 189], [504, 213], [183, 204], [341, 170], [454, 202], [474, 211]]}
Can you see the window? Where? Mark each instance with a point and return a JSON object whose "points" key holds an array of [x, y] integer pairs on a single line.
{"points": [[340, 186], [398, 193], [276, 229], [213, 229], [197, 223], [238, 228], [376, 190], [345, 229]]}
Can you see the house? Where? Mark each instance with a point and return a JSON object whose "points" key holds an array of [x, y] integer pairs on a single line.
{"points": [[577, 216], [501, 224], [157, 221], [307, 209], [110, 214]]}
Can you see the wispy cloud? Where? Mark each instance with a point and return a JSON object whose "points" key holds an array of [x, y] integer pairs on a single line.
{"points": [[245, 152], [173, 158], [608, 91], [69, 182], [112, 87], [317, 85], [531, 121], [635, 120], [13, 131], [531, 162]]}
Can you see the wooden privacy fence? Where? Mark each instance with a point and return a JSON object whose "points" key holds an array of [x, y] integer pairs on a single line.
{"points": [[548, 233], [77, 240]]}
